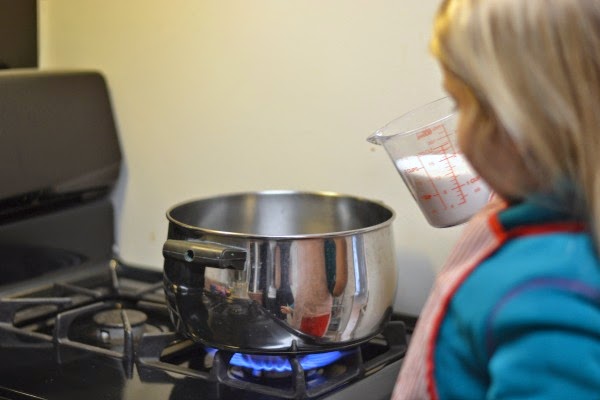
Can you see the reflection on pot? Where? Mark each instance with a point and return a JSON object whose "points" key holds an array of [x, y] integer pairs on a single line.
{"points": [[312, 297], [305, 304]]}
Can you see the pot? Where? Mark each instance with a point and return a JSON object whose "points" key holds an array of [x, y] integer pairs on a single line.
{"points": [[280, 271]]}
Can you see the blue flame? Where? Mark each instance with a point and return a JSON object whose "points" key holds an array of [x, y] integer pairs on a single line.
{"points": [[282, 363]]}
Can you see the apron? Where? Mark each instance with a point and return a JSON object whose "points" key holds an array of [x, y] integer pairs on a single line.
{"points": [[479, 240]]}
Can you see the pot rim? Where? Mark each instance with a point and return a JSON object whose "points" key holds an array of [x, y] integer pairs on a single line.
{"points": [[358, 231]]}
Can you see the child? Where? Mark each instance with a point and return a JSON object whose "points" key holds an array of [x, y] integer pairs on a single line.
{"points": [[515, 311]]}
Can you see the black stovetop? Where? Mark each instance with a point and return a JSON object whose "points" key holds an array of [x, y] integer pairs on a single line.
{"points": [[106, 334]]}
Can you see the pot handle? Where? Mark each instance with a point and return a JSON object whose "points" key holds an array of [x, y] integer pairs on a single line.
{"points": [[205, 254]]}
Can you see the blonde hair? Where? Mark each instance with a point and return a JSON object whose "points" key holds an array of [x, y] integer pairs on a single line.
{"points": [[535, 66]]}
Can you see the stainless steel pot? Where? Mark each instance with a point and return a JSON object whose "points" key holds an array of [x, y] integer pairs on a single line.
{"points": [[280, 271]]}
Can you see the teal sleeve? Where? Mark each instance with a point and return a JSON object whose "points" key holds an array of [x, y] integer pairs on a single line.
{"points": [[544, 342]]}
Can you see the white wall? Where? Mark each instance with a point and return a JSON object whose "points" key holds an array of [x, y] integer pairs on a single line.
{"points": [[219, 96]]}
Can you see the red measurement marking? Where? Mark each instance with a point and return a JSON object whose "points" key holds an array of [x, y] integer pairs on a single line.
{"points": [[424, 133], [431, 181], [457, 187], [439, 143], [441, 149]]}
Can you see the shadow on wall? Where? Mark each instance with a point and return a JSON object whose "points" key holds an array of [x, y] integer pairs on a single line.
{"points": [[416, 275]]}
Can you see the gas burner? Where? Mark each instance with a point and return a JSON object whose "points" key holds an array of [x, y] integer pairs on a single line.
{"points": [[111, 325], [259, 364], [276, 369], [106, 313], [270, 376]]}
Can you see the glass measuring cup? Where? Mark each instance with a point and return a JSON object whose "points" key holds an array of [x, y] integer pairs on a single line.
{"points": [[422, 145]]}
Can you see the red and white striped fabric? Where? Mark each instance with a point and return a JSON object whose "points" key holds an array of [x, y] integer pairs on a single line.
{"points": [[478, 241]]}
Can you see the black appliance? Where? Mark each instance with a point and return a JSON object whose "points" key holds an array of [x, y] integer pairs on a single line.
{"points": [[75, 323], [18, 34]]}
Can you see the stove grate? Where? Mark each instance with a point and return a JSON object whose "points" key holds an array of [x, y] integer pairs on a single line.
{"points": [[160, 355]]}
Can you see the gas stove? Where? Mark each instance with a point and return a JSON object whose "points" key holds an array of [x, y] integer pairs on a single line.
{"points": [[107, 335], [77, 323]]}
